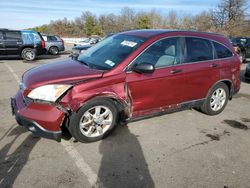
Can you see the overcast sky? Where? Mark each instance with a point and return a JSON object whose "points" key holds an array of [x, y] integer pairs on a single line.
{"points": [[19, 14]]}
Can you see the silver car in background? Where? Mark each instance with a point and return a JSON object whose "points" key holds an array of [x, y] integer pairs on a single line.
{"points": [[54, 44]]}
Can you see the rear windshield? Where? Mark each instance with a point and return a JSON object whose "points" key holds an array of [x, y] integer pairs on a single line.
{"points": [[31, 37]]}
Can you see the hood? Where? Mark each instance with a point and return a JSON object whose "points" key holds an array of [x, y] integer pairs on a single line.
{"points": [[67, 71], [79, 47]]}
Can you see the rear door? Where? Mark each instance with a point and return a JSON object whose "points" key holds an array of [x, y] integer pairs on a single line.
{"points": [[13, 42], [2, 47], [202, 70]]}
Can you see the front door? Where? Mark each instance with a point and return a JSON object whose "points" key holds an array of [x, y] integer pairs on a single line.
{"points": [[165, 87]]}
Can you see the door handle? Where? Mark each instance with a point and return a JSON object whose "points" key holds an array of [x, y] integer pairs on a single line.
{"points": [[174, 71], [213, 65]]}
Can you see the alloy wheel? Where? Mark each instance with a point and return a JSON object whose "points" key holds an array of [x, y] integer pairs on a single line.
{"points": [[218, 99], [96, 121]]}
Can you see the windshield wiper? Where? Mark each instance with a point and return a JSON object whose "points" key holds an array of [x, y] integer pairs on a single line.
{"points": [[83, 62]]}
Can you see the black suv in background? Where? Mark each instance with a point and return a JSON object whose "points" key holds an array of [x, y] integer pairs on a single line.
{"points": [[25, 43], [242, 47], [247, 50]]}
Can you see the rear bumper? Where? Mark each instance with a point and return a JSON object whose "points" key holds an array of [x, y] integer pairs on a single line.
{"points": [[61, 48], [41, 119], [41, 51]]}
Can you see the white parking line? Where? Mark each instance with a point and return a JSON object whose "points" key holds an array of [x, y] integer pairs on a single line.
{"points": [[13, 72], [71, 150], [81, 164]]}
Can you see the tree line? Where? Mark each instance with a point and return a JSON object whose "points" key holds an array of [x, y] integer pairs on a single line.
{"points": [[230, 17]]}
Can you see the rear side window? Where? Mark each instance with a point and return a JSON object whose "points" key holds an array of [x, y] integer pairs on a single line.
{"points": [[13, 36], [198, 49], [51, 38], [30, 37], [222, 51], [1, 35]]}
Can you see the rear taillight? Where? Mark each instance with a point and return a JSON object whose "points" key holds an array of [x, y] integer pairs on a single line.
{"points": [[62, 41], [43, 44]]}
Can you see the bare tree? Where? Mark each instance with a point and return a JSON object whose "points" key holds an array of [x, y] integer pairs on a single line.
{"points": [[204, 21], [229, 15], [126, 20], [172, 20], [108, 23]]}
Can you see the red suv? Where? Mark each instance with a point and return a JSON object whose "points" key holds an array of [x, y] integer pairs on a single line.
{"points": [[128, 76]]}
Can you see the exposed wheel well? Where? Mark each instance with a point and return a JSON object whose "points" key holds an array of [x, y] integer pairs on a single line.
{"points": [[120, 105], [229, 85]]}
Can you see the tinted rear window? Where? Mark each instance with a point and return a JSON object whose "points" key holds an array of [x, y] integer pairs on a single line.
{"points": [[31, 37], [13, 35], [222, 51], [51, 38], [198, 50]]}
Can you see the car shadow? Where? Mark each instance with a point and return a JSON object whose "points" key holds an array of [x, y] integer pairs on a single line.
{"points": [[12, 162], [123, 163]]}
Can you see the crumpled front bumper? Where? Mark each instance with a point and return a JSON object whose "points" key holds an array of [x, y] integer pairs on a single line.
{"points": [[44, 120]]}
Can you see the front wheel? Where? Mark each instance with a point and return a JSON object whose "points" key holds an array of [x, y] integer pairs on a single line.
{"points": [[216, 100], [94, 121], [28, 54]]}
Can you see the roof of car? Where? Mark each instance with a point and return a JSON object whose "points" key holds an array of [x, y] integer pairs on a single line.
{"points": [[148, 33], [3, 29]]}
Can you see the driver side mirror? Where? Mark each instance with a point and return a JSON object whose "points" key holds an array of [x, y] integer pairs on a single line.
{"points": [[143, 68]]}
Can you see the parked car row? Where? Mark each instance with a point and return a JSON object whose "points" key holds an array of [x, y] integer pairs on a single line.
{"points": [[242, 47], [28, 44], [83, 45], [53, 44]]}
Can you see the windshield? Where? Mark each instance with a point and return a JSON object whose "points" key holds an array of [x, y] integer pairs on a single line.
{"points": [[85, 40], [110, 52]]}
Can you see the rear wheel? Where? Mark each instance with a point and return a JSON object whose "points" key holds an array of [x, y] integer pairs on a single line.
{"points": [[28, 54], [54, 50], [216, 100], [94, 121]]}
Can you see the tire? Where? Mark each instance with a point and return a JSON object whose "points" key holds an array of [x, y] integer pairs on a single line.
{"points": [[54, 50], [216, 100], [242, 57], [87, 126], [28, 54]]}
